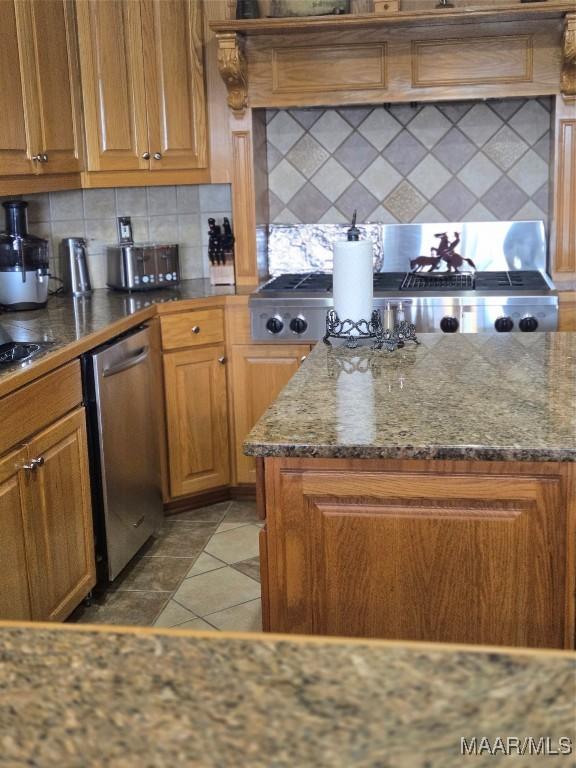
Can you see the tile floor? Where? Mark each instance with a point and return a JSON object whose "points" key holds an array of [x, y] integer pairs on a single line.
{"points": [[200, 571]]}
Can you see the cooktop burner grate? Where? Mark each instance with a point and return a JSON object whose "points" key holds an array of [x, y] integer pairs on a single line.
{"points": [[435, 282]]}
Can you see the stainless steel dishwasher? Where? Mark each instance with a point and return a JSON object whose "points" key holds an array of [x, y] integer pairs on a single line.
{"points": [[124, 451]]}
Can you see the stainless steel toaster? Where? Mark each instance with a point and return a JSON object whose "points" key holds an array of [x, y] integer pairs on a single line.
{"points": [[143, 267]]}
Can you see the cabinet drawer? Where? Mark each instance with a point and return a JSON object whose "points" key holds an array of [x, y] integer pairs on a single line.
{"points": [[193, 329], [26, 411]]}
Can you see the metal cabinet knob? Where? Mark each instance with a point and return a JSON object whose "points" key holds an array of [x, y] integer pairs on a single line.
{"points": [[195, 329], [303, 358], [34, 464], [37, 158], [146, 156], [157, 156], [44, 158], [222, 360]]}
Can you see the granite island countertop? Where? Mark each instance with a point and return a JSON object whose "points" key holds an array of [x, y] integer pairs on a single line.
{"points": [[76, 325], [507, 397], [84, 697]]}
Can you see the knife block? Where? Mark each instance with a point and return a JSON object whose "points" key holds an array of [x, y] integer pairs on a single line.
{"points": [[222, 274]]}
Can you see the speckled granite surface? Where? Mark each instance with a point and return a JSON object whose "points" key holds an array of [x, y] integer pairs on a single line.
{"points": [[66, 320], [474, 396], [83, 699]]}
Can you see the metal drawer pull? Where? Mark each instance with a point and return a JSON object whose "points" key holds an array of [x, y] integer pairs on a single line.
{"points": [[130, 362], [303, 358], [222, 360], [195, 329], [34, 464]]}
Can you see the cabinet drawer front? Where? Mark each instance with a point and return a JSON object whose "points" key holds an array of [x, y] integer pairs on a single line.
{"points": [[193, 329], [31, 408]]}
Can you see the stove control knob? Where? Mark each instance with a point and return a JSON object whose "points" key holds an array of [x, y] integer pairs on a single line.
{"points": [[298, 325], [528, 324], [449, 324], [504, 324], [274, 324]]}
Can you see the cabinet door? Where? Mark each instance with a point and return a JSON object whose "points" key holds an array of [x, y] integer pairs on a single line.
{"points": [[17, 133], [258, 375], [14, 592], [58, 519], [110, 36], [175, 93], [196, 419], [55, 81]]}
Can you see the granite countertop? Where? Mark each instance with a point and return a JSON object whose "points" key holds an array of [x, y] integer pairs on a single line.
{"points": [[87, 697], [463, 396], [66, 321]]}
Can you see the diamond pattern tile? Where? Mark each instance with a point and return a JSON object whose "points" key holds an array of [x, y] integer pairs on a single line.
{"points": [[531, 121], [307, 155], [285, 181], [283, 131], [480, 124], [331, 130], [529, 212], [356, 154], [356, 197], [505, 148], [530, 172], [380, 128], [479, 174], [429, 126], [454, 200], [380, 178], [405, 202], [404, 153], [332, 179], [504, 199], [309, 204], [429, 176], [463, 160]]}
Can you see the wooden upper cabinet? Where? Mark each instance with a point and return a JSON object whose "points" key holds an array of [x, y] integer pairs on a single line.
{"points": [[56, 84], [143, 84], [175, 84], [39, 88], [110, 36]]}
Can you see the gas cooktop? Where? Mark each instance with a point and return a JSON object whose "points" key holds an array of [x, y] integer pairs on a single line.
{"points": [[385, 282]]}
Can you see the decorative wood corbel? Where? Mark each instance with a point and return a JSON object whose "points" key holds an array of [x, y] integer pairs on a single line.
{"points": [[233, 69], [568, 81]]}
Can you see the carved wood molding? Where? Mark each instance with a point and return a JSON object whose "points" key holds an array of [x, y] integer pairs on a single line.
{"points": [[568, 81], [233, 69]]}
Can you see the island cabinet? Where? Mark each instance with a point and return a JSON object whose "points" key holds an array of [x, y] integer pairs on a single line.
{"points": [[46, 538], [40, 130], [447, 551], [196, 406], [143, 85]]}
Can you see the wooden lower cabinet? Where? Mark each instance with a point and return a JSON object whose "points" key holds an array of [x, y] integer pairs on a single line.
{"points": [[259, 372], [460, 552], [196, 419], [14, 589]]}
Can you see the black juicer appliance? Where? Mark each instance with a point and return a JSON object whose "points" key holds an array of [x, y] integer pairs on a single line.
{"points": [[24, 272]]}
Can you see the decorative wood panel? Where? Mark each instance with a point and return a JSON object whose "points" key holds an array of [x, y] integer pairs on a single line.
{"points": [[482, 60], [243, 207], [436, 551], [303, 69], [564, 223]]}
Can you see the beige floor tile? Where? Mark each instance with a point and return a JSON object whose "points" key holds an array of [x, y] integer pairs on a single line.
{"points": [[240, 618], [241, 512], [216, 590], [197, 624], [228, 527], [204, 564], [235, 545], [173, 615]]}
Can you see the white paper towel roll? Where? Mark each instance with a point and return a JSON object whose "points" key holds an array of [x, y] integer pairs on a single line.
{"points": [[353, 280]]}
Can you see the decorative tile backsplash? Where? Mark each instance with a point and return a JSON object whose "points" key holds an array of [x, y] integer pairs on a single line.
{"points": [[162, 214], [453, 161]]}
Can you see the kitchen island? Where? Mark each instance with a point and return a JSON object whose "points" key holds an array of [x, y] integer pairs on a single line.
{"points": [[94, 696], [426, 494]]}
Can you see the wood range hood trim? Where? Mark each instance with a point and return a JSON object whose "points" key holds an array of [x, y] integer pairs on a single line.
{"points": [[263, 62]]}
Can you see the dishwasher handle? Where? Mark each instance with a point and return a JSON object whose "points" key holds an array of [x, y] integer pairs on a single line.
{"points": [[129, 362]]}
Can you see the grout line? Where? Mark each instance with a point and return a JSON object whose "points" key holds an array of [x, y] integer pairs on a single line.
{"points": [[245, 602]]}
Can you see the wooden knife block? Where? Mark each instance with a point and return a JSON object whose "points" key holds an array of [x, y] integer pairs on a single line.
{"points": [[222, 274]]}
